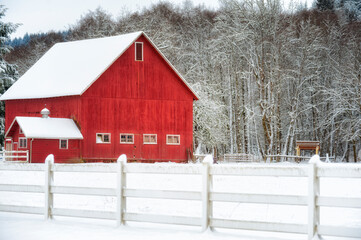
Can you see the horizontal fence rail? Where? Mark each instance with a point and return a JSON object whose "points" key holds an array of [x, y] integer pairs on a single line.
{"points": [[14, 166], [162, 194], [312, 172], [258, 198], [339, 170], [63, 212], [138, 217], [259, 226], [260, 170], [21, 188]]}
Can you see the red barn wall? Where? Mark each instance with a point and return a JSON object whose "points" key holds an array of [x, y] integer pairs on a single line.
{"points": [[41, 148], [139, 97], [61, 107]]}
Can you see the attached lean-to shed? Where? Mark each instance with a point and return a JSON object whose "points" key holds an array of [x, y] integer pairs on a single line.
{"points": [[120, 92], [45, 135]]}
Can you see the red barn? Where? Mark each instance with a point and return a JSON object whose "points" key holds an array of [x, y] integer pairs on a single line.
{"points": [[107, 97]]}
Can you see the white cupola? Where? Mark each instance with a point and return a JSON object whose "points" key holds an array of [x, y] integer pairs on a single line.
{"points": [[45, 113]]}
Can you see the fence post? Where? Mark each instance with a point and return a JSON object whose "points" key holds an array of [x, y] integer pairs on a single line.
{"points": [[206, 208], [49, 161], [121, 183], [313, 193]]}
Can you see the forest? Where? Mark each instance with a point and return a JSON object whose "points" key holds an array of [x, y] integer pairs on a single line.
{"points": [[266, 76]]}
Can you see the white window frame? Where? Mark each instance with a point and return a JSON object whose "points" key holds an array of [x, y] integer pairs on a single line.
{"points": [[67, 143], [26, 142], [173, 135], [135, 46], [144, 142], [102, 141], [126, 134]]}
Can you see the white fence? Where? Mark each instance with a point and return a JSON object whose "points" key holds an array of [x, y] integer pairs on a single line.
{"points": [[240, 157], [18, 156], [207, 196]]}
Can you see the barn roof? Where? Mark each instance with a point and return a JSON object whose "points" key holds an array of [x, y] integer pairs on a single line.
{"points": [[70, 68], [47, 128]]}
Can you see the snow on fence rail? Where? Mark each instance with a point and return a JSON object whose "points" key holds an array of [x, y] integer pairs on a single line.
{"points": [[313, 201]]}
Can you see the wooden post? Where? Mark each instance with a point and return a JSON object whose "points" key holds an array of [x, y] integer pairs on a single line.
{"points": [[298, 150], [313, 193], [208, 160], [49, 177], [121, 183]]}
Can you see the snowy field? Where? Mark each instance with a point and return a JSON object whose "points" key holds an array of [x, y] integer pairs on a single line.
{"points": [[27, 226]]}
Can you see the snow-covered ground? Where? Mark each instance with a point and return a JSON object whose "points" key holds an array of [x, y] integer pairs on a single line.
{"points": [[23, 226], [33, 227]]}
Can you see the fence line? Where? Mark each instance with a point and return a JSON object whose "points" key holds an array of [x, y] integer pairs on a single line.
{"points": [[207, 196], [18, 156]]}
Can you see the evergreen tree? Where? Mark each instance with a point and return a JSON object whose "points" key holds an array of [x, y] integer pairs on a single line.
{"points": [[8, 72], [352, 9], [324, 5]]}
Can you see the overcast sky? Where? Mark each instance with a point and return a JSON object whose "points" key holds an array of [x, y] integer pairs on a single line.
{"points": [[45, 15]]}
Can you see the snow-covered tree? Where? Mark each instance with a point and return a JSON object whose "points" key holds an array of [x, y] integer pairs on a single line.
{"points": [[8, 72], [94, 24], [352, 9]]}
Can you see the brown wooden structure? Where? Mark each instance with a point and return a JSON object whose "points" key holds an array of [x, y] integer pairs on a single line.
{"points": [[307, 145]]}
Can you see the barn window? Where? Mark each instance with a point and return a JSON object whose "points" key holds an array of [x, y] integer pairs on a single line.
{"points": [[126, 138], [173, 139], [63, 144], [23, 143], [150, 138], [138, 51], [103, 138], [20, 131]]}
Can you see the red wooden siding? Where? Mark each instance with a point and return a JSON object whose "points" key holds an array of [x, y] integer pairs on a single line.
{"points": [[138, 97], [148, 79], [41, 148], [64, 107], [136, 116]]}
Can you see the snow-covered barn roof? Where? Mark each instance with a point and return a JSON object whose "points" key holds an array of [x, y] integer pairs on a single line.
{"points": [[47, 128], [70, 68]]}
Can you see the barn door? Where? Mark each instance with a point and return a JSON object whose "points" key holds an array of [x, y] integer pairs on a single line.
{"points": [[8, 148]]}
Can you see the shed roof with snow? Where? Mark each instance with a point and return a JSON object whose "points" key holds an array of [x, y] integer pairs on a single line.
{"points": [[70, 68], [47, 128]]}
